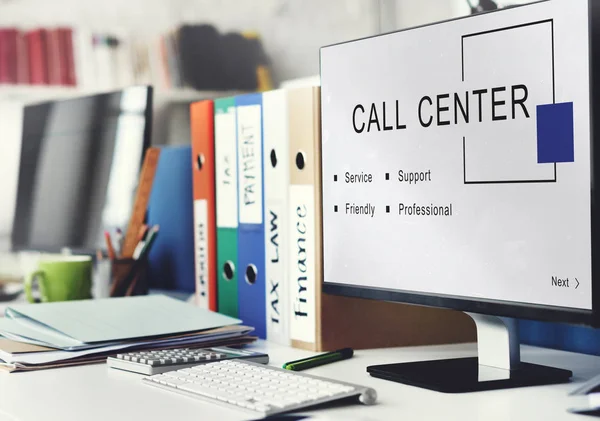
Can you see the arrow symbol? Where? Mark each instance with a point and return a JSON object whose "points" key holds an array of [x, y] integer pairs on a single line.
{"points": [[576, 280]]}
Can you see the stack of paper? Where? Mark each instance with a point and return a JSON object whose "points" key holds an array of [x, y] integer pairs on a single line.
{"points": [[81, 332]]}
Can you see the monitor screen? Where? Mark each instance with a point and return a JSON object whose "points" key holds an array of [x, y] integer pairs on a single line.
{"points": [[457, 163], [80, 160]]}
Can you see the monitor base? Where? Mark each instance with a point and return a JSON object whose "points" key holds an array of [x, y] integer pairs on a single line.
{"points": [[466, 375]]}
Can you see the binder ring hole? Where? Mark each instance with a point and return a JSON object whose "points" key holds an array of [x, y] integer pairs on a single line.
{"points": [[251, 273], [200, 161], [273, 158], [300, 161], [228, 270]]}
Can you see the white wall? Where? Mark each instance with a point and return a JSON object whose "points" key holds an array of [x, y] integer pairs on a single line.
{"points": [[413, 13], [461, 7], [419, 12], [10, 147]]}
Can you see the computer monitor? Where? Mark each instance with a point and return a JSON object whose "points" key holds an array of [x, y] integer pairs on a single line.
{"points": [[79, 167], [460, 171]]}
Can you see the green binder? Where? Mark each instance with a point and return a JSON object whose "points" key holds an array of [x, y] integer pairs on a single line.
{"points": [[227, 205]]}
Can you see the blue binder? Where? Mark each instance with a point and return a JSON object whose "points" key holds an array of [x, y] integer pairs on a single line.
{"points": [[251, 243], [171, 259]]}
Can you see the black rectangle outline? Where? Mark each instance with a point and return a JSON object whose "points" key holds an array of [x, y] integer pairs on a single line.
{"points": [[553, 180], [497, 307], [506, 28], [462, 55]]}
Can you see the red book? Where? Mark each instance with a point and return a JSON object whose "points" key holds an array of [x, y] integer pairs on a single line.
{"points": [[68, 57], [10, 54], [3, 59], [37, 51], [22, 60], [203, 180], [53, 56], [44, 44]]}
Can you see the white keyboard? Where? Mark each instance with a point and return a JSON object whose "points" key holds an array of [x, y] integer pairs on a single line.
{"points": [[257, 388]]}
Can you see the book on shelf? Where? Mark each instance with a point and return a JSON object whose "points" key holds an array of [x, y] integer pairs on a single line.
{"points": [[90, 60]]}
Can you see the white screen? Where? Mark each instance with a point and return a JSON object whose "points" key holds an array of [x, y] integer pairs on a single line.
{"points": [[514, 192]]}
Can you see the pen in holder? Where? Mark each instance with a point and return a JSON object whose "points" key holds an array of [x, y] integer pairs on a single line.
{"points": [[129, 277]]}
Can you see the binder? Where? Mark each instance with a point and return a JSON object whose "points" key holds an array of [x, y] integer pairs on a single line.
{"points": [[251, 236], [203, 170], [276, 183], [227, 205], [304, 243], [164, 197]]}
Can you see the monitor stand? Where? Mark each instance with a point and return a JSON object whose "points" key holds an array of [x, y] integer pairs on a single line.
{"points": [[497, 365]]}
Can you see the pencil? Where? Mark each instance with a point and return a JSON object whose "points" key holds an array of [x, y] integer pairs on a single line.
{"points": [[109, 246], [142, 232], [144, 246]]}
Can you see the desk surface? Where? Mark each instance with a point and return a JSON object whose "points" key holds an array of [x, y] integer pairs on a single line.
{"points": [[99, 393]]}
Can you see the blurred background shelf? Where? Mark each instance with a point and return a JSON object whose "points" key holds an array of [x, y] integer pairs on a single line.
{"points": [[29, 93]]}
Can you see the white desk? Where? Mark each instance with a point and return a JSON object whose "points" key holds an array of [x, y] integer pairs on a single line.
{"points": [[99, 393]]}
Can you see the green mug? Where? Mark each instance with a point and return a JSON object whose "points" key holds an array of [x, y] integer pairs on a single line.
{"points": [[60, 278]]}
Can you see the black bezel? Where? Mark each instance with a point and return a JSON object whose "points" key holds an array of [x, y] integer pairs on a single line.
{"points": [[497, 307]]}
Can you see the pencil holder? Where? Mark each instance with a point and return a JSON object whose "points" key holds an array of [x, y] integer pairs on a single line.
{"points": [[129, 277]]}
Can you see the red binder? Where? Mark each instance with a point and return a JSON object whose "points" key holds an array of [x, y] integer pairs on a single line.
{"points": [[203, 169]]}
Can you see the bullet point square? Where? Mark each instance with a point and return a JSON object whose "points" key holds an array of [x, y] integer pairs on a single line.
{"points": [[335, 177], [387, 175], [387, 209], [335, 208]]}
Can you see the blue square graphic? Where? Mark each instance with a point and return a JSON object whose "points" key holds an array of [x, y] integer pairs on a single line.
{"points": [[555, 138]]}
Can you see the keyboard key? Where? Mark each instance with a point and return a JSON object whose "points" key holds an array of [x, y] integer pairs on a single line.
{"points": [[174, 374], [174, 382], [199, 390], [262, 408]]}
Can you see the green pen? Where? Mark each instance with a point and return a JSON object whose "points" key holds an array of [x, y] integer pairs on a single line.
{"points": [[318, 360]]}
